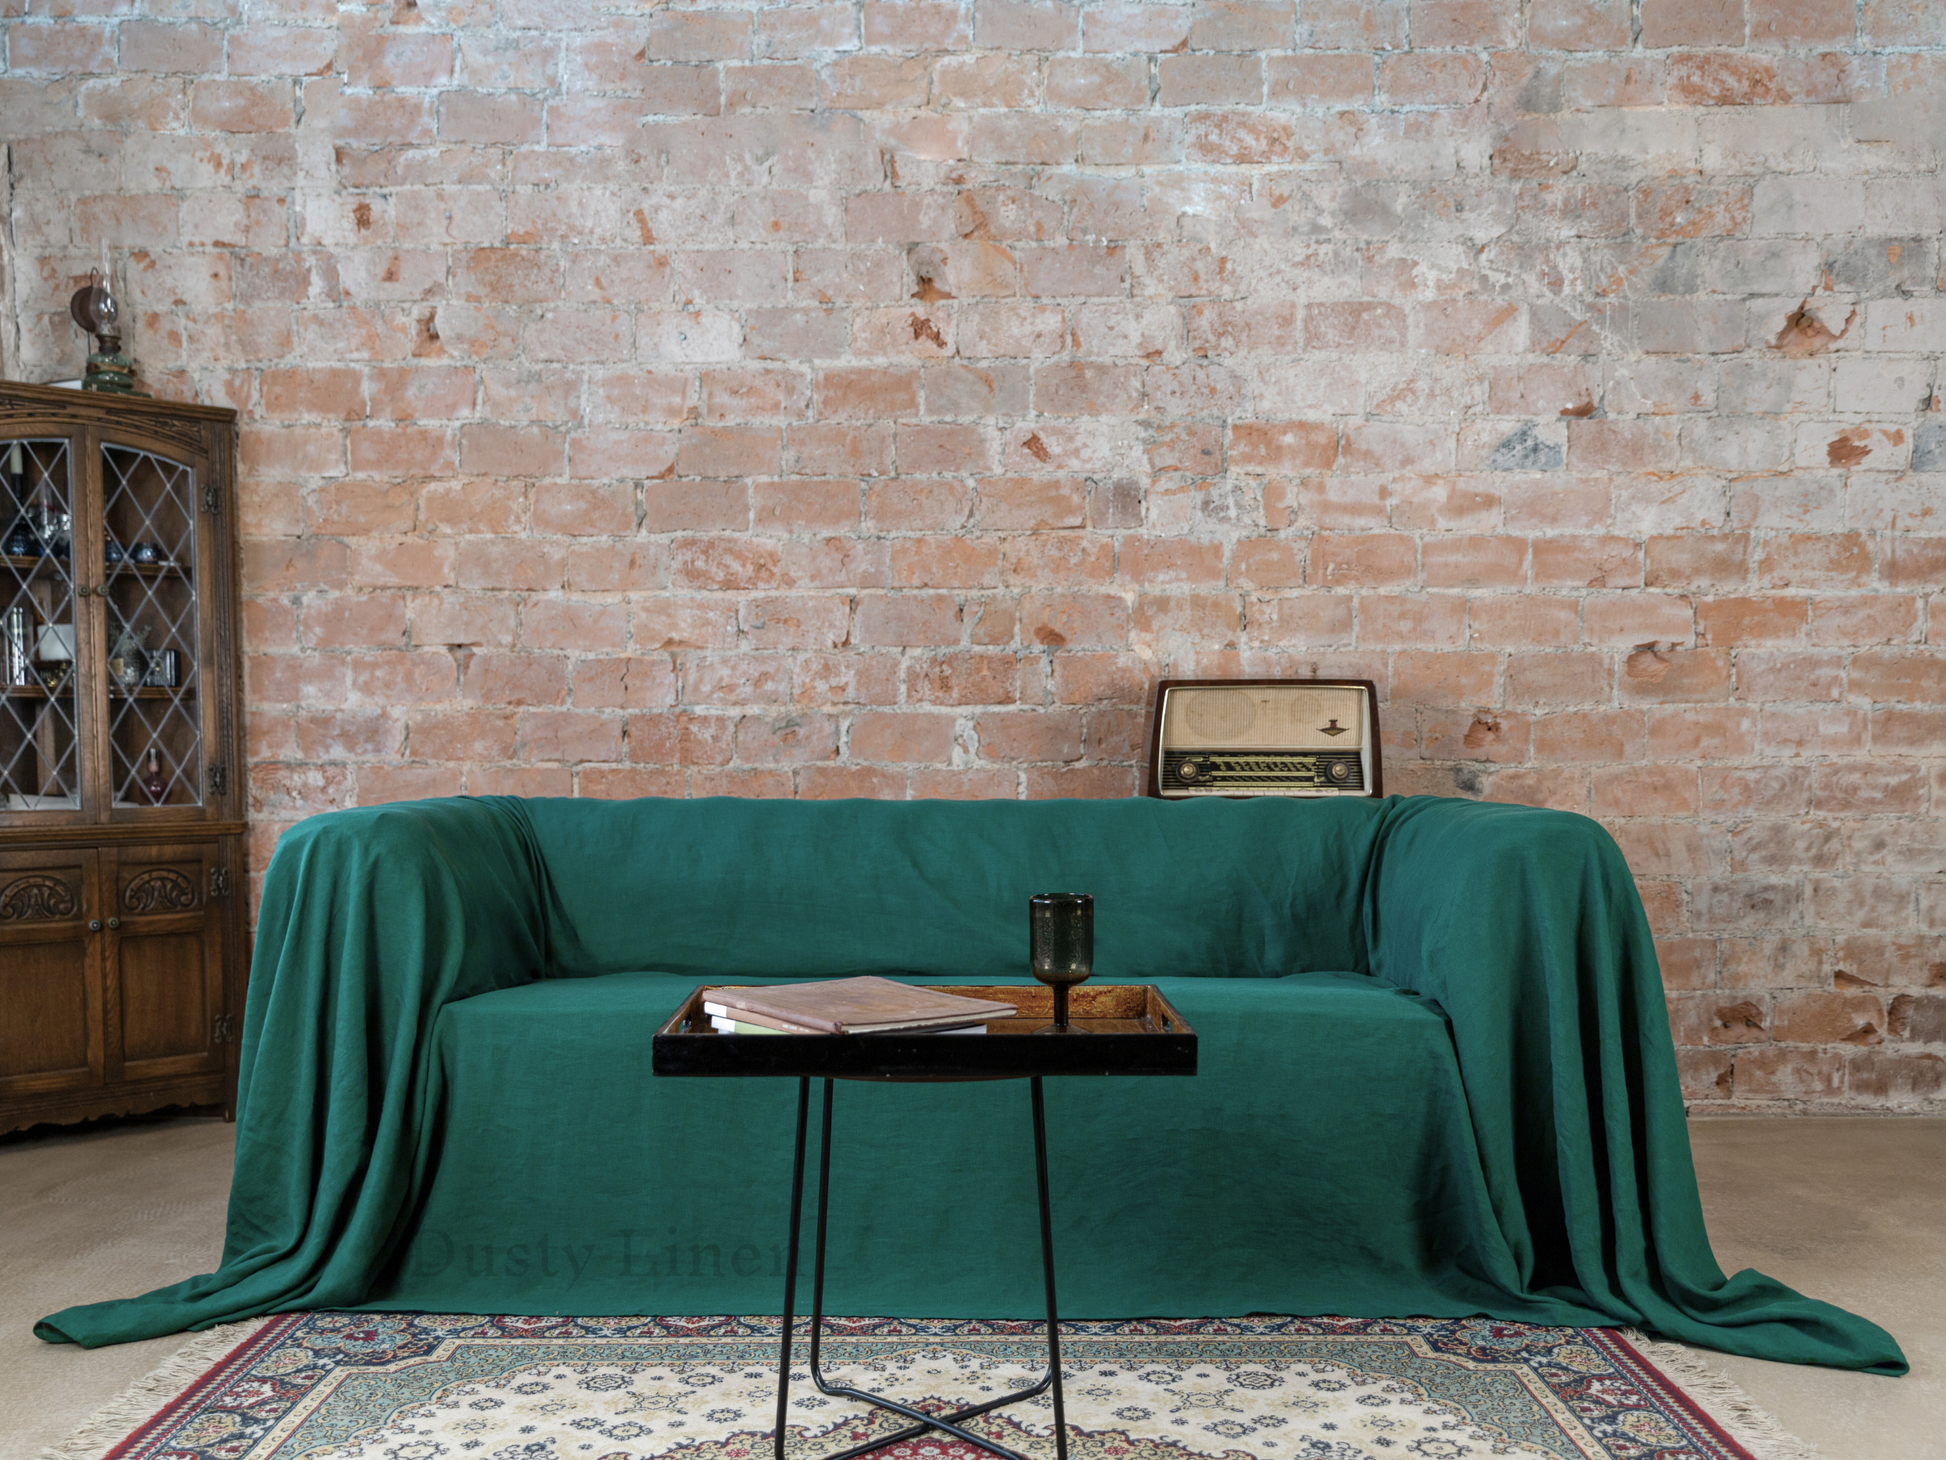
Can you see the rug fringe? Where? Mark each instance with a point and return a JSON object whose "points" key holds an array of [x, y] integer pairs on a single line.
{"points": [[1742, 1418], [116, 1420]]}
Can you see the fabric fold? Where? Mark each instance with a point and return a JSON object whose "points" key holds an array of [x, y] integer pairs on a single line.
{"points": [[1534, 940], [372, 921]]}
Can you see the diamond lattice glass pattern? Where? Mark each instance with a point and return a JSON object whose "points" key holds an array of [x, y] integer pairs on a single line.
{"points": [[149, 561], [39, 736]]}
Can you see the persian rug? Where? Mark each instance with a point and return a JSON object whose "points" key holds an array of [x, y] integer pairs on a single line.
{"points": [[432, 1386]]}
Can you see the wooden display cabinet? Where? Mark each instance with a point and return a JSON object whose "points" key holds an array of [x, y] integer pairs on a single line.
{"points": [[122, 946]]}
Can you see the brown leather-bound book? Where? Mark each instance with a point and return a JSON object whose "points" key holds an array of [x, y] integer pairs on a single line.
{"points": [[867, 1005]]}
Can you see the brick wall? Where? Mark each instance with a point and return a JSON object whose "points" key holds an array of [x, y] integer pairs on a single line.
{"points": [[873, 399]]}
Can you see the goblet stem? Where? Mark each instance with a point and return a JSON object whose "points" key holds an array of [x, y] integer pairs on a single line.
{"points": [[1061, 1007]]}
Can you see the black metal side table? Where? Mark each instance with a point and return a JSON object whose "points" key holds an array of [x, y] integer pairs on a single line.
{"points": [[1131, 1030]]}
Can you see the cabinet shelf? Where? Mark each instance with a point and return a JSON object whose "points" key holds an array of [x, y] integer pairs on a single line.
{"points": [[28, 566], [37, 692]]}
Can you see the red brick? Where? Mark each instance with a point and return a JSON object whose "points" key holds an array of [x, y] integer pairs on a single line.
{"points": [[1443, 678], [360, 507], [1868, 790], [1411, 621], [962, 679], [1723, 78], [1881, 1077], [1474, 562], [1571, 736], [1586, 562], [1286, 446], [736, 679], [1691, 210], [1032, 503], [1860, 619], [1354, 325], [1210, 620], [1830, 1018], [1308, 620], [1432, 79], [1074, 620], [1210, 80], [1373, 561], [1644, 791], [908, 619], [1824, 560], [838, 782], [327, 392], [1692, 23], [1558, 790], [362, 621], [1668, 676], [1522, 622], [983, 783], [1267, 563], [1696, 732], [1097, 83], [1730, 622], [1916, 676], [901, 736], [624, 683], [728, 451], [1798, 1074], [516, 679], [1705, 1074], [499, 450], [241, 106], [786, 740], [1088, 782], [153, 45], [1024, 736], [1084, 679], [1800, 22]]}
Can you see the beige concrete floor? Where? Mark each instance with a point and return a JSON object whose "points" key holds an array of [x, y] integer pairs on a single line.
{"points": [[1853, 1211], [101, 1214]]}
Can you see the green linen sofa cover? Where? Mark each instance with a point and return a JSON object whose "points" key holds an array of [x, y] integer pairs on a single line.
{"points": [[397, 943]]}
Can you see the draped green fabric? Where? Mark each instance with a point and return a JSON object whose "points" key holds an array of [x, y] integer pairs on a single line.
{"points": [[1435, 1072]]}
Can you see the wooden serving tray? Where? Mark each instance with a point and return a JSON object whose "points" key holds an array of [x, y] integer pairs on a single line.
{"points": [[1132, 1030]]}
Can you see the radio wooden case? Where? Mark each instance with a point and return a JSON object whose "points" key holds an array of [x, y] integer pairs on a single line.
{"points": [[1264, 737]]}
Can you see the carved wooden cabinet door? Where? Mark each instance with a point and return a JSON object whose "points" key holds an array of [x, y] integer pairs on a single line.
{"points": [[50, 973], [164, 961]]}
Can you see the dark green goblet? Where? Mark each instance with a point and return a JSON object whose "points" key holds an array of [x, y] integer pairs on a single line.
{"points": [[1061, 936]]}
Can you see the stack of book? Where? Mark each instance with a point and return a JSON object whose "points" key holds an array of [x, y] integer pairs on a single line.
{"points": [[848, 1006]]}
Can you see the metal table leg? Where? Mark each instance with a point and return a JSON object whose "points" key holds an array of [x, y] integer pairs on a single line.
{"points": [[790, 1253], [950, 1423]]}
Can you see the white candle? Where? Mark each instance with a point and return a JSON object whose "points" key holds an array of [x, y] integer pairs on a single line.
{"points": [[13, 462]]}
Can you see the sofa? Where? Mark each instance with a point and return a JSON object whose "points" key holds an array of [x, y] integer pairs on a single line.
{"points": [[1436, 1076]]}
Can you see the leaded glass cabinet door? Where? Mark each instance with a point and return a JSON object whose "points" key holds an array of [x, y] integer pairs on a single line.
{"points": [[153, 551], [45, 724]]}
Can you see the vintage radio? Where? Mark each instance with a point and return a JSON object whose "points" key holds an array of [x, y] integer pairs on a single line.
{"points": [[1264, 737]]}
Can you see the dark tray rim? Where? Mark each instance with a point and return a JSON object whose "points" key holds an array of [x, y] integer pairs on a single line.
{"points": [[920, 1057]]}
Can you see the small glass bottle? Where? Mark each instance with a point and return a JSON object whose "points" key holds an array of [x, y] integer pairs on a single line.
{"points": [[154, 786]]}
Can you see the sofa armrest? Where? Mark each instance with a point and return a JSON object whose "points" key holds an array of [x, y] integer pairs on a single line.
{"points": [[372, 921], [1527, 928]]}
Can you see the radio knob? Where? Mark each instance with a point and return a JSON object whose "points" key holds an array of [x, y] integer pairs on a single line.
{"points": [[1189, 770], [1340, 771]]}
